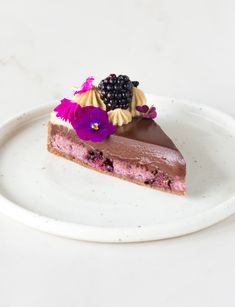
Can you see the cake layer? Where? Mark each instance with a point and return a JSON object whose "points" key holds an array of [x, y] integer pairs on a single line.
{"points": [[124, 155]]}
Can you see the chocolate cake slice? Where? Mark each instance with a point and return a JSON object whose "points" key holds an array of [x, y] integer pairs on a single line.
{"points": [[111, 129], [139, 152]]}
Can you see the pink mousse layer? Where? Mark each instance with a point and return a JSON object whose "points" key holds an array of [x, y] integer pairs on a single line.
{"points": [[138, 173]]}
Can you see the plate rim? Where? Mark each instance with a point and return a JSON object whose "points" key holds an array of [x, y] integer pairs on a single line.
{"points": [[113, 234]]}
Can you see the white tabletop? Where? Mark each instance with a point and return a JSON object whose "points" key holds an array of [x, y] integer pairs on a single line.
{"points": [[182, 49]]}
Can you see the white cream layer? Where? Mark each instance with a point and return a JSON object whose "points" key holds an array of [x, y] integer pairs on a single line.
{"points": [[58, 121]]}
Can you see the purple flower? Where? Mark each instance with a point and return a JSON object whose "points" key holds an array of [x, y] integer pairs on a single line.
{"points": [[142, 109], [86, 86], [92, 124], [147, 112], [67, 110]]}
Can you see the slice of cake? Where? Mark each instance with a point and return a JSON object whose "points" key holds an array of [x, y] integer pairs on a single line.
{"points": [[112, 130]]}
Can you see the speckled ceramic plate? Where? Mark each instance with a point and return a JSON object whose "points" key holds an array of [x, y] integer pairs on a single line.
{"points": [[59, 197]]}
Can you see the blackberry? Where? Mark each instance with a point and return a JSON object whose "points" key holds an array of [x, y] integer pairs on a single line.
{"points": [[116, 91], [94, 155], [149, 181], [108, 164]]}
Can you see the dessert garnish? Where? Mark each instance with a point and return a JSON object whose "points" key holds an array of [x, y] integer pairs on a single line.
{"points": [[113, 96], [92, 124], [110, 128], [147, 112], [90, 97], [86, 86], [116, 91], [138, 99], [120, 117], [67, 110]]}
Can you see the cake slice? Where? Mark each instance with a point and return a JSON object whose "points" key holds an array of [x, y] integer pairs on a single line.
{"points": [[138, 150]]}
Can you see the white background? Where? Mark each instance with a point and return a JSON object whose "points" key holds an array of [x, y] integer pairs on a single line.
{"points": [[183, 49]]}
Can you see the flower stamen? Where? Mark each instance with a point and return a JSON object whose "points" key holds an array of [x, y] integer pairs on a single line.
{"points": [[95, 126]]}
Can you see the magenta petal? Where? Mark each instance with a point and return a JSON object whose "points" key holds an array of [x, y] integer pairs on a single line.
{"points": [[86, 86], [112, 129], [152, 113], [84, 119], [67, 110], [142, 109], [147, 112], [99, 137], [84, 134]]}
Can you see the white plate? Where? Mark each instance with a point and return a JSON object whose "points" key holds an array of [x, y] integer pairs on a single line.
{"points": [[59, 197]]}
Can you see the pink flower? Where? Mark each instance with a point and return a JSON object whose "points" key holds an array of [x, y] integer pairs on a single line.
{"points": [[86, 86], [92, 124], [147, 112], [67, 110]]}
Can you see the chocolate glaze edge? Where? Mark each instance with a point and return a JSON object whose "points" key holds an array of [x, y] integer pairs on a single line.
{"points": [[126, 146]]}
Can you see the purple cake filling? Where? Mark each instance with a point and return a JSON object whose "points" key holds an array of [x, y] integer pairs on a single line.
{"points": [[96, 159]]}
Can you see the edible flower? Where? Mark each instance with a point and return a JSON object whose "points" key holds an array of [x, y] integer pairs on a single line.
{"points": [[92, 124], [67, 110], [86, 86], [148, 112]]}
